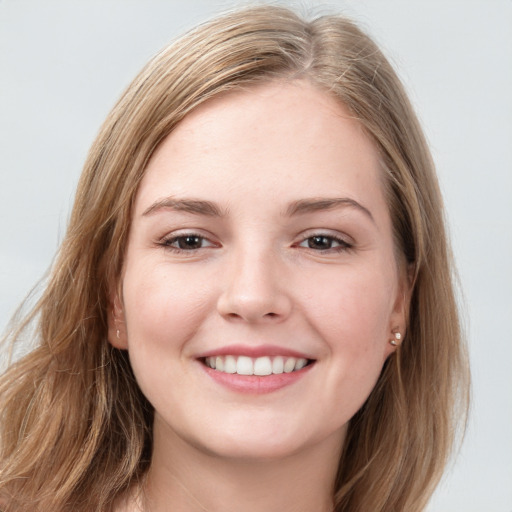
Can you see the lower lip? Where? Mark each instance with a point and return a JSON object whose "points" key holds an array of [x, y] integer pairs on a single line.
{"points": [[255, 384]]}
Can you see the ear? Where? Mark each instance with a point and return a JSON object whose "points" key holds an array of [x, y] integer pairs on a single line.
{"points": [[116, 323], [399, 317]]}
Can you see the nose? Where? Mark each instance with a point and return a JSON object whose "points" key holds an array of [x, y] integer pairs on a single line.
{"points": [[255, 290]]}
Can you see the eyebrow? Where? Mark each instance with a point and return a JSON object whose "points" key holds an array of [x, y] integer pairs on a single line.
{"points": [[196, 206], [318, 204], [301, 206]]}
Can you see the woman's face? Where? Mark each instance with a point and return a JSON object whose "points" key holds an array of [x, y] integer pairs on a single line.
{"points": [[261, 242]]}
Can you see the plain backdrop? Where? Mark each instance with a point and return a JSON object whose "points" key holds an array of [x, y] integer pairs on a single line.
{"points": [[64, 63]]}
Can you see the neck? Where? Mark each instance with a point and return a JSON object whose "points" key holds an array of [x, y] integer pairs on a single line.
{"points": [[186, 479]]}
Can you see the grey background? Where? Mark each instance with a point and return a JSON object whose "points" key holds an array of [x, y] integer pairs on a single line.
{"points": [[64, 63]]}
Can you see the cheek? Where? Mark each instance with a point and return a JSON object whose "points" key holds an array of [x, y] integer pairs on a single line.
{"points": [[162, 308], [354, 309], [352, 316]]}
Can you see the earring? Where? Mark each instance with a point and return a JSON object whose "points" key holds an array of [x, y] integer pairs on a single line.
{"points": [[115, 322], [396, 341]]}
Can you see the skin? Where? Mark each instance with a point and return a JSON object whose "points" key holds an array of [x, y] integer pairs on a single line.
{"points": [[256, 276]]}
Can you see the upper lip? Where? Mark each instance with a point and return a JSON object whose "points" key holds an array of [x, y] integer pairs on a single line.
{"points": [[253, 351]]}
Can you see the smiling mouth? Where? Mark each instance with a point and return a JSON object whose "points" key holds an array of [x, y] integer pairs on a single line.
{"points": [[259, 366]]}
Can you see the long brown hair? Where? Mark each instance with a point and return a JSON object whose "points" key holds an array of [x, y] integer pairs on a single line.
{"points": [[75, 428]]}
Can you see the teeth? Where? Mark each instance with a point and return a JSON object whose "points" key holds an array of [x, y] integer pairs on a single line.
{"points": [[243, 365], [230, 364], [299, 364], [289, 365], [278, 365], [263, 366]]}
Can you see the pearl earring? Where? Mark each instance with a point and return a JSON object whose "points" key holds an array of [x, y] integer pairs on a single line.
{"points": [[396, 341], [115, 322]]}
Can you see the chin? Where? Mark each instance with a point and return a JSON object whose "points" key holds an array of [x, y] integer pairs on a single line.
{"points": [[254, 449], [270, 442]]}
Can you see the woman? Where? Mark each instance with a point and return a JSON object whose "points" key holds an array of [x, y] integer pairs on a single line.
{"points": [[253, 305]]}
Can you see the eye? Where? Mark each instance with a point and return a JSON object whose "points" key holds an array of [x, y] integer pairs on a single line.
{"points": [[324, 242], [186, 242]]}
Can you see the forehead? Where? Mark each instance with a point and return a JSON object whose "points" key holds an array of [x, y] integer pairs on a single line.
{"points": [[278, 140]]}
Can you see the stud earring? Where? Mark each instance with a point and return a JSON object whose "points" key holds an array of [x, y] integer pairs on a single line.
{"points": [[396, 341], [117, 333]]}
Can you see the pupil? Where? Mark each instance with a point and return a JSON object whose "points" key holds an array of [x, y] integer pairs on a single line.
{"points": [[319, 242], [189, 242]]}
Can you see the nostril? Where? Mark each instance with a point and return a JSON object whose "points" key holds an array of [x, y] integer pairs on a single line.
{"points": [[253, 305]]}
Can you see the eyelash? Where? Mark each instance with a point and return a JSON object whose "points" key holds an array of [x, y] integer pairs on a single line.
{"points": [[342, 246], [167, 243]]}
